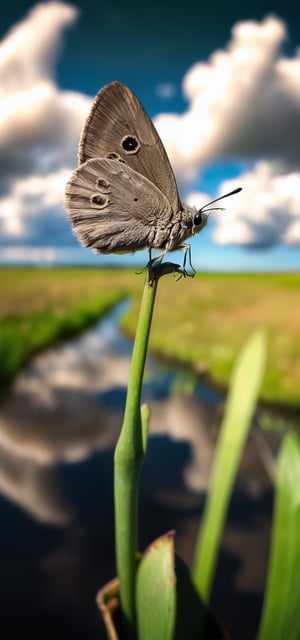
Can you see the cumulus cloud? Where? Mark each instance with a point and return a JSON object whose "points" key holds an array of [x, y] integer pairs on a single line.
{"points": [[265, 213], [244, 102], [39, 123], [39, 128], [244, 105], [22, 207]]}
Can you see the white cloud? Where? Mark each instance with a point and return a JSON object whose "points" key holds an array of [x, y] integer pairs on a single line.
{"points": [[21, 221], [243, 103], [39, 124], [265, 213], [28, 51]]}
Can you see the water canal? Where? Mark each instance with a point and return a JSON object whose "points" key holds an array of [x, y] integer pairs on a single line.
{"points": [[58, 429]]}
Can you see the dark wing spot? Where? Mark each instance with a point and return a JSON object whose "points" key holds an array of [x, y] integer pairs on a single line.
{"points": [[103, 185], [135, 199], [114, 156], [98, 201], [130, 144]]}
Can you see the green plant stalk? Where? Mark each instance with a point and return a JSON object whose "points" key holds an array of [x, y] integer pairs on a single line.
{"points": [[129, 453]]}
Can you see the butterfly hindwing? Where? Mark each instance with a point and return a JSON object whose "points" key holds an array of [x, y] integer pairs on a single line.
{"points": [[119, 127], [114, 208]]}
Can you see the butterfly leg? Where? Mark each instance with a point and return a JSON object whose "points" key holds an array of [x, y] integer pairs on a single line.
{"points": [[157, 268], [157, 260], [152, 264], [187, 255]]}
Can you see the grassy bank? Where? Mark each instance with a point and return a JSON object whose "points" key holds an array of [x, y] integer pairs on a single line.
{"points": [[201, 322], [41, 306]]}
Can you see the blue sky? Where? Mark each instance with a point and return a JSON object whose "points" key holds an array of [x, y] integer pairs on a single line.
{"points": [[222, 84]]}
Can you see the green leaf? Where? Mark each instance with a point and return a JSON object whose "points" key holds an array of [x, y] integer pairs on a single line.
{"points": [[243, 393], [156, 591], [281, 610]]}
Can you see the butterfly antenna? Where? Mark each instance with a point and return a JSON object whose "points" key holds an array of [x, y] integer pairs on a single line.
{"points": [[231, 193]]}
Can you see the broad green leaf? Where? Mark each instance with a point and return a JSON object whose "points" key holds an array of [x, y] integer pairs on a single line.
{"points": [[243, 393], [281, 610], [156, 591]]}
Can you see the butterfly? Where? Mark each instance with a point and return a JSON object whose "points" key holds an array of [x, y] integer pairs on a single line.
{"points": [[123, 196]]}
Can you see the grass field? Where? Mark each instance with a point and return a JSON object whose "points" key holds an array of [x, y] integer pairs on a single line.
{"points": [[41, 306], [201, 322], [205, 321]]}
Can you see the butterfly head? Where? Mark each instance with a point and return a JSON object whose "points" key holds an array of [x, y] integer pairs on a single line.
{"points": [[199, 221], [201, 217]]}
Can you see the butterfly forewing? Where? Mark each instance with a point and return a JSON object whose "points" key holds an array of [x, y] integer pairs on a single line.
{"points": [[118, 126]]}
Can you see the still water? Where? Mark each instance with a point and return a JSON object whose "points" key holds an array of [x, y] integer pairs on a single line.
{"points": [[58, 429]]}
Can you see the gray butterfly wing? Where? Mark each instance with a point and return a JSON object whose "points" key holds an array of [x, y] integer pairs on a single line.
{"points": [[113, 208], [118, 126]]}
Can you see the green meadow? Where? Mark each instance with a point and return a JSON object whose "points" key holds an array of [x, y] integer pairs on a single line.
{"points": [[201, 322], [41, 306]]}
